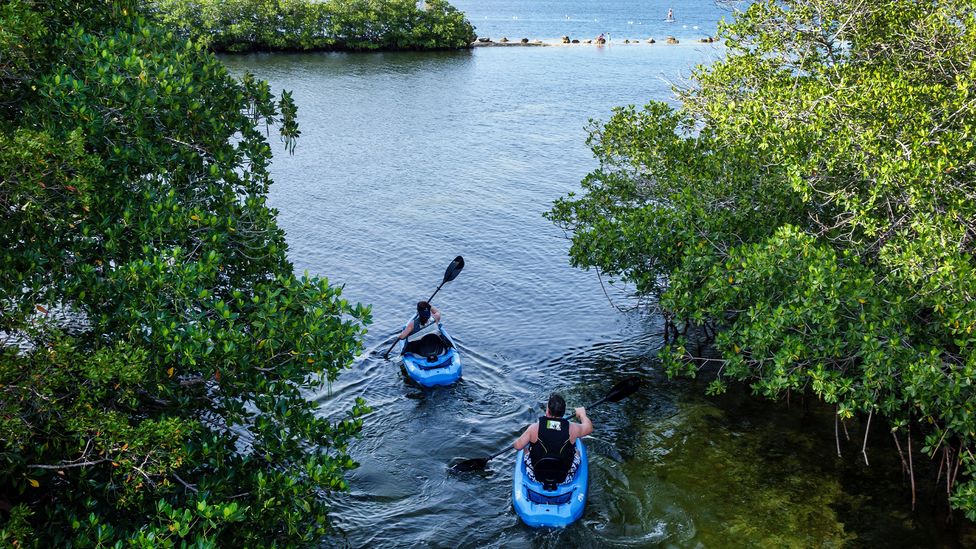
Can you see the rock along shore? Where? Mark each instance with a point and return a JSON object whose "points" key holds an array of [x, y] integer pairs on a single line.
{"points": [[566, 41]]}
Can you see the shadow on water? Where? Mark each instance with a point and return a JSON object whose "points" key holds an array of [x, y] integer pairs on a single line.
{"points": [[739, 471]]}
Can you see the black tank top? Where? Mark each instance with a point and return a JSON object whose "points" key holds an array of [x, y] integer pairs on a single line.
{"points": [[553, 443]]}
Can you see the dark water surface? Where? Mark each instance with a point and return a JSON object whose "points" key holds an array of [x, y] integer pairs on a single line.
{"points": [[407, 160]]}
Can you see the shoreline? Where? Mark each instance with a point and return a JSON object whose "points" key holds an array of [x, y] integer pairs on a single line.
{"points": [[484, 42]]}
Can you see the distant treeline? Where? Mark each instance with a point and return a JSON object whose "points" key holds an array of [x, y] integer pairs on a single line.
{"points": [[341, 25]]}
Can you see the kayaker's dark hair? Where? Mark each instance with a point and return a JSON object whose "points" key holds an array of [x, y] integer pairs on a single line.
{"points": [[423, 311], [557, 406]]}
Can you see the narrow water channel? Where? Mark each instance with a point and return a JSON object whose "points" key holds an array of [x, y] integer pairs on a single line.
{"points": [[407, 160]]}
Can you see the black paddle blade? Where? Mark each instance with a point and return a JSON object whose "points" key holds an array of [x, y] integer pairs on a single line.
{"points": [[453, 269], [624, 389], [468, 465]]}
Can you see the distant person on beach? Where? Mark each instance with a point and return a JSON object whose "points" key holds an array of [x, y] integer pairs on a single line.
{"points": [[670, 15]]}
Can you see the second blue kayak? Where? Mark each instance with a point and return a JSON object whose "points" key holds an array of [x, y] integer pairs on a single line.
{"points": [[433, 360]]}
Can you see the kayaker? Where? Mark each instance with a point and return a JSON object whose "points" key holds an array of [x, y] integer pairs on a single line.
{"points": [[553, 439], [425, 312]]}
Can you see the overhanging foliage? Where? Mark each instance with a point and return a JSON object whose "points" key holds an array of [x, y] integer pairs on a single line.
{"points": [[157, 343], [813, 199]]}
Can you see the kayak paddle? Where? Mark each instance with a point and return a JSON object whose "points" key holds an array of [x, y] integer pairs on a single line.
{"points": [[620, 391], [450, 274]]}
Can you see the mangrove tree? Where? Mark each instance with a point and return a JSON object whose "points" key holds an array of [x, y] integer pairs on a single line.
{"points": [[812, 204], [156, 346]]}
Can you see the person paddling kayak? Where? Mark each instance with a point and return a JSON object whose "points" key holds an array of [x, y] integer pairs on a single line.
{"points": [[552, 456], [422, 320], [429, 355]]}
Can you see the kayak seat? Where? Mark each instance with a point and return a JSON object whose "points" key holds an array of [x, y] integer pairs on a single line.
{"points": [[530, 470], [432, 350], [431, 345], [550, 471]]}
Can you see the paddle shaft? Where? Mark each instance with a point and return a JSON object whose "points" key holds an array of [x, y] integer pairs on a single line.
{"points": [[431, 298], [618, 392], [508, 448]]}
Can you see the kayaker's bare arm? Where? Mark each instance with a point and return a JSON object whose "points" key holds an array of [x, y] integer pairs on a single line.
{"points": [[409, 328], [581, 429], [531, 434], [406, 331]]}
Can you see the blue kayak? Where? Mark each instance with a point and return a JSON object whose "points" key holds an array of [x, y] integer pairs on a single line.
{"points": [[556, 508], [432, 358]]}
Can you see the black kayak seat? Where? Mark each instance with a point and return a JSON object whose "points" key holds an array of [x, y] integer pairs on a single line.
{"points": [[550, 471], [430, 346]]}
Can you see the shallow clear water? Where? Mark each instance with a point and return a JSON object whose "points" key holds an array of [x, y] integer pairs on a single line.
{"points": [[407, 160]]}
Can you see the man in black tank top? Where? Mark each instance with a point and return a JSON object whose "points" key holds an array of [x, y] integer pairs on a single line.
{"points": [[553, 440]]}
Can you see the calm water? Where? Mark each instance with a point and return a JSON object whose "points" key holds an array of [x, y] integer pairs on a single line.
{"points": [[621, 19], [407, 160]]}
